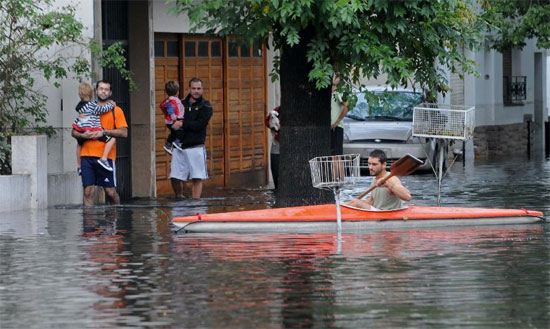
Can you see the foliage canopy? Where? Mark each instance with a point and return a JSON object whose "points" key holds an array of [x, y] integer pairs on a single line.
{"points": [[516, 21], [403, 39]]}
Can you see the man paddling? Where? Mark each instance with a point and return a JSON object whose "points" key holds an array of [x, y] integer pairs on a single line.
{"points": [[388, 193]]}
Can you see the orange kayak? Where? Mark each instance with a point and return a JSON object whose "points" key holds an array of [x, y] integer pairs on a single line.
{"points": [[322, 218]]}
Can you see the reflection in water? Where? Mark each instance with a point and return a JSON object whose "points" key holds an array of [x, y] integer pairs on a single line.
{"points": [[106, 258], [113, 267], [397, 244], [116, 249], [383, 279], [306, 291]]}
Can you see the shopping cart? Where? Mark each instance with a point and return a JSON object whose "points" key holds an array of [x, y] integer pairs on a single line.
{"points": [[334, 172]]}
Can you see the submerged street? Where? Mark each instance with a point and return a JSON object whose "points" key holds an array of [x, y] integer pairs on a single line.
{"points": [[123, 267]]}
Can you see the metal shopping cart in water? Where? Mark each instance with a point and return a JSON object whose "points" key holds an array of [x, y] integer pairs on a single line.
{"points": [[334, 172], [443, 123]]}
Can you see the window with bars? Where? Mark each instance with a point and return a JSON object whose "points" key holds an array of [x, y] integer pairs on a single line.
{"points": [[514, 87]]}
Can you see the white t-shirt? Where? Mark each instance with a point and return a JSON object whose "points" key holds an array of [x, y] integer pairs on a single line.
{"points": [[336, 108]]}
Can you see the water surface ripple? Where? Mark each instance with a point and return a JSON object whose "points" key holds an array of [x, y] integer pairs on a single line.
{"points": [[122, 267]]}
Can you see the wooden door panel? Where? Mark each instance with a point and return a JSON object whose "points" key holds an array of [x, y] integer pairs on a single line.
{"points": [[166, 69], [246, 111]]}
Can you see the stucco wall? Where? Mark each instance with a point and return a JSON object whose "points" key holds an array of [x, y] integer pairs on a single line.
{"points": [[486, 91], [163, 21], [64, 189], [15, 192], [30, 186]]}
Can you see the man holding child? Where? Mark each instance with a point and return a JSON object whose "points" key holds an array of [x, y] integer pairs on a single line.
{"points": [[189, 161], [114, 125]]}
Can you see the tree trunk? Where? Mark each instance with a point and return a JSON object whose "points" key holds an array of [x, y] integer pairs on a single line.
{"points": [[305, 128]]}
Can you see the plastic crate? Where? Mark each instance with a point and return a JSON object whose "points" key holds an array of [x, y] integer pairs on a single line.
{"points": [[443, 121]]}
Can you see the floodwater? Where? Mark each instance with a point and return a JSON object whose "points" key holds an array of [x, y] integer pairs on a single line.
{"points": [[123, 267]]}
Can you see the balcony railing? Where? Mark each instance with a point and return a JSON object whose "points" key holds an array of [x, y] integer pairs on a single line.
{"points": [[514, 89]]}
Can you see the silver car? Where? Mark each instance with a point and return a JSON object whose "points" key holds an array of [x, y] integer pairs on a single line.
{"points": [[386, 124]]}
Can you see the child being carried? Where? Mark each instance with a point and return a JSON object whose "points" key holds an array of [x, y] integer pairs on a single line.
{"points": [[173, 111], [88, 119]]}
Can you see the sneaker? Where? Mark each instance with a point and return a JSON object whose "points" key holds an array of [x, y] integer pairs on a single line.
{"points": [[177, 145], [79, 171], [105, 164], [168, 148]]}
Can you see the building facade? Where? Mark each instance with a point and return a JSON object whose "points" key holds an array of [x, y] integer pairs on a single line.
{"points": [[160, 48], [510, 97]]}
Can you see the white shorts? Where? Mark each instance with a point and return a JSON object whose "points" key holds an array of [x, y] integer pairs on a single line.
{"points": [[189, 163]]}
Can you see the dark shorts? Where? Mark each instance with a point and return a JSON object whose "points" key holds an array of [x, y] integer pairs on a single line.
{"points": [[337, 141], [94, 174]]}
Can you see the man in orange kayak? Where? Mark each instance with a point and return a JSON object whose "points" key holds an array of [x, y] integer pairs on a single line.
{"points": [[389, 193]]}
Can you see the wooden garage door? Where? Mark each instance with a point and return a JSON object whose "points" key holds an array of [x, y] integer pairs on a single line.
{"points": [[167, 49], [234, 82], [246, 98]]}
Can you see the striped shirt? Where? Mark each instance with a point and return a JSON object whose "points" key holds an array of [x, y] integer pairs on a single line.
{"points": [[88, 115]]}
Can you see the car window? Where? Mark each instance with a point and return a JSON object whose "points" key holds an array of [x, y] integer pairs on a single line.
{"points": [[385, 105]]}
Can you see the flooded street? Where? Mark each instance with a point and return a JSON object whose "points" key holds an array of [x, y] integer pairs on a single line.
{"points": [[123, 267]]}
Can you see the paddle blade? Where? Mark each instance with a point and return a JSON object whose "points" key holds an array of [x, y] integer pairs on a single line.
{"points": [[406, 165]]}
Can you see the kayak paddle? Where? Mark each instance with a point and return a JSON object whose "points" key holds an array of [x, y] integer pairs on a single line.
{"points": [[401, 167]]}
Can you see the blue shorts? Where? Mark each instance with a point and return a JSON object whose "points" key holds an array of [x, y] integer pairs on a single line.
{"points": [[94, 174]]}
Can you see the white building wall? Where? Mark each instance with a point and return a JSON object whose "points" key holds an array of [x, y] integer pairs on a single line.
{"points": [[62, 101], [486, 91], [30, 185], [29, 158], [486, 94], [481, 91], [165, 22]]}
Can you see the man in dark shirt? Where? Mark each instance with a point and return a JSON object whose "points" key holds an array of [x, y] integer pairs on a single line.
{"points": [[189, 160]]}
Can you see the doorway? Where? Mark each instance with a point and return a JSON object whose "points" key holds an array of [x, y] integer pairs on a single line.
{"points": [[235, 83]]}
